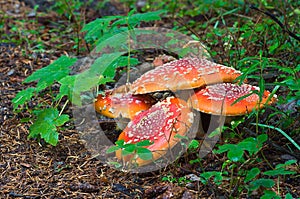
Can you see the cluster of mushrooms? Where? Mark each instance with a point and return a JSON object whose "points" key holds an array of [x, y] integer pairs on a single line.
{"points": [[159, 121]]}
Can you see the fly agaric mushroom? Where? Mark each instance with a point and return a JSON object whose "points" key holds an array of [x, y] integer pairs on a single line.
{"points": [[159, 124], [183, 74], [125, 105], [218, 99]]}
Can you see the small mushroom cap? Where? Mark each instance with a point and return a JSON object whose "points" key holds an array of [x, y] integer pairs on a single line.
{"points": [[126, 105], [218, 99], [183, 74], [159, 124]]}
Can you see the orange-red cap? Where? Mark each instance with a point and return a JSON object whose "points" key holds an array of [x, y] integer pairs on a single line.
{"points": [[159, 124], [122, 104], [183, 74], [218, 99]]}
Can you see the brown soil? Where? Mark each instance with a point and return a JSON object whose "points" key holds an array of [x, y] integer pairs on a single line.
{"points": [[32, 169]]}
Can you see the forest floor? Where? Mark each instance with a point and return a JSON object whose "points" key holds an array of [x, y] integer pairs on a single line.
{"points": [[29, 169]]}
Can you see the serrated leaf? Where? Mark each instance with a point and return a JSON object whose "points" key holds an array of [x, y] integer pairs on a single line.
{"points": [[135, 19], [117, 41], [66, 87], [144, 153], [121, 61], [22, 97], [83, 83], [102, 63], [120, 42], [94, 25], [97, 28], [54, 72], [252, 174], [61, 120], [46, 124]]}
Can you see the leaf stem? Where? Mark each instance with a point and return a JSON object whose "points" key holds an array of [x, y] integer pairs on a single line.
{"points": [[63, 108]]}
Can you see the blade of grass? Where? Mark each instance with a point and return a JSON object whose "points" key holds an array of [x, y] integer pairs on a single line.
{"points": [[280, 131]]}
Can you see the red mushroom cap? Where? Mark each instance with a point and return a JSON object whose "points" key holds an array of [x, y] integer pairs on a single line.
{"points": [[218, 99], [183, 74], [159, 124], [122, 104]]}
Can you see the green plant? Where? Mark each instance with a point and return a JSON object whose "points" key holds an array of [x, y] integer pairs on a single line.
{"points": [[23, 31], [74, 11], [235, 152], [239, 176], [71, 87], [181, 181], [137, 149]]}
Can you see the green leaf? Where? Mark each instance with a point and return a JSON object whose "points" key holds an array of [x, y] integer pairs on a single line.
{"points": [[235, 154], [112, 149], [66, 87], [279, 171], [207, 175], [194, 144], [262, 182], [97, 28], [128, 149], [94, 27], [46, 125], [22, 97], [120, 143], [135, 19], [73, 86], [54, 72], [288, 196], [261, 139], [249, 145], [121, 61], [224, 148], [269, 194], [287, 163], [61, 120], [144, 143], [101, 64], [274, 46], [144, 153], [216, 132], [252, 174], [119, 42]]}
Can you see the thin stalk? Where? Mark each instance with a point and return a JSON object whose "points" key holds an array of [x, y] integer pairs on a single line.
{"points": [[63, 108]]}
